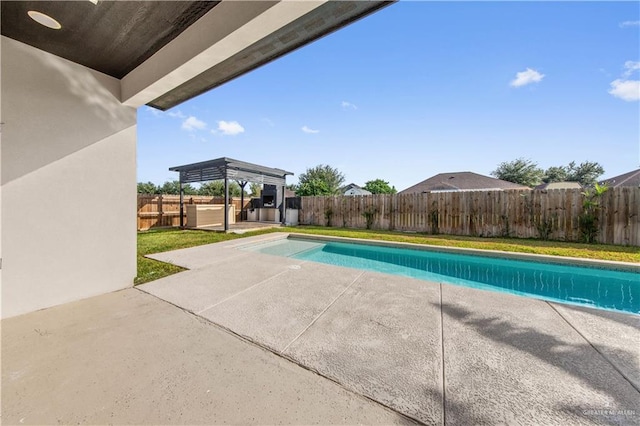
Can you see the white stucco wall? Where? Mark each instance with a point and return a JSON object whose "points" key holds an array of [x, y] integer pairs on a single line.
{"points": [[68, 182]]}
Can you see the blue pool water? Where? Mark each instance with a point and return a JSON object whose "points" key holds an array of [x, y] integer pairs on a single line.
{"points": [[600, 288]]}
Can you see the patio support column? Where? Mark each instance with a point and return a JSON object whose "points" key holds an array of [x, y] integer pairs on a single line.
{"points": [[242, 183], [283, 210], [181, 202], [226, 202]]}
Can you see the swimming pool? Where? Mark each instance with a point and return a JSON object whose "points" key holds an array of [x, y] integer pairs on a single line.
{"points": [[593, 287]]}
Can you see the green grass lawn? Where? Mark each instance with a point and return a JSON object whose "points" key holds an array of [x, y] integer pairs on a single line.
{"points": [[156, 241], [553, 248], [159, 240]]}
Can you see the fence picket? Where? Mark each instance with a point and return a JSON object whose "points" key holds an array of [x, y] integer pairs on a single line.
{"points": [[164, 210], [481, 213]]}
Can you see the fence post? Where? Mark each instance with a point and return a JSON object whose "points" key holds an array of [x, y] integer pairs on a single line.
{"points": [[160, 211]]}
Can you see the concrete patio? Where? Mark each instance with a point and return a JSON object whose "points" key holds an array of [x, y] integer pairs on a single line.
{"points": [[248, 338], [240, 227]]}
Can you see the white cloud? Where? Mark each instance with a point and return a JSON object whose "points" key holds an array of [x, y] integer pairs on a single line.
{"points": [[625, 88], [229, 128], [177, 114], [629, 24], [348, 105], [192, 123], [155, 112], [525, 77], [309, 130]]}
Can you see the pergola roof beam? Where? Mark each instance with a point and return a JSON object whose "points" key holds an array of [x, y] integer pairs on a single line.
{"points": [[228, 168]]}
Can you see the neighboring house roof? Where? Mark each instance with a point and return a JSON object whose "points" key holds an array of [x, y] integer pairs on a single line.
{"points": [[628, 179], [559, 185], [461, 181], [353, 189]]}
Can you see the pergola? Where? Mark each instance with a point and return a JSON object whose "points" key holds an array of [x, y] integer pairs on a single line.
{"points": [[227, 168]]}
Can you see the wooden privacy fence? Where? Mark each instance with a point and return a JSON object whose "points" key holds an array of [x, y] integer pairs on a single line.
{"points": [[549, 214], [164, 210]]}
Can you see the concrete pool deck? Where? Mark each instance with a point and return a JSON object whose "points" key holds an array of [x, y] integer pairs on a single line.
{"points": [[252, 329]]}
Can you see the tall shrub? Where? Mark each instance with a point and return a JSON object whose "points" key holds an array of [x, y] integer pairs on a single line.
{"points": [[588, 221]]}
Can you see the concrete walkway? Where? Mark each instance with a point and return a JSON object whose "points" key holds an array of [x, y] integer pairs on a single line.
{"points": [[240, 227], [131, 358], [434, 353]]}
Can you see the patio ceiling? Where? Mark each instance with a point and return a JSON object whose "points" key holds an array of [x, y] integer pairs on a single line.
{"points": [[166, 52], [110, 37]]}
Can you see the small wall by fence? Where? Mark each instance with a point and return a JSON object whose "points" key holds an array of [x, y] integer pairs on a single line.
{"points": [[515, 213], [164, 210]]}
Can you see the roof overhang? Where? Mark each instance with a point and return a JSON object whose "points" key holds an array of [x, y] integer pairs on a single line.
{"points": [[273, 32], [166, 52]]}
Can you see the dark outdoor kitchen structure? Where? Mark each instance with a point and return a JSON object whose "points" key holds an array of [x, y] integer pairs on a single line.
{"points": [[271, 206]]}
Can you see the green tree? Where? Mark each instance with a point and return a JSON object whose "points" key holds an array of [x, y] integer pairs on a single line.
{"points": [[173, 187], [320, 180], [313, 187], [555, 174], [586, 173], [255, 189], [212, 189], [235, 190], [379, 186], [147, 188], [520, 171], [216, 189]]}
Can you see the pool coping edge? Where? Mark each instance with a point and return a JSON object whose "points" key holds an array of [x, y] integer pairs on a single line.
{"points": [[559, 260]]}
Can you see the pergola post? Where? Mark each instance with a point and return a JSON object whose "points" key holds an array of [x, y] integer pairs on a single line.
{"points": [[283, 211], [226, 202], [242, 184], [181, 202]]}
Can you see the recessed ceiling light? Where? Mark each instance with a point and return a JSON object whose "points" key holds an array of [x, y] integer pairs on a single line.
{"points": [[45, 20], [94, 1]]}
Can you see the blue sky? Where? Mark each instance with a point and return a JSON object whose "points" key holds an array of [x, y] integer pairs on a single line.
{"points": [[421, 88]]}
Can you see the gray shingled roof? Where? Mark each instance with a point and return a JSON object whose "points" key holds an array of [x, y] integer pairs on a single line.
{"points": [[628, 179], [461, 181], [358, 190]]}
